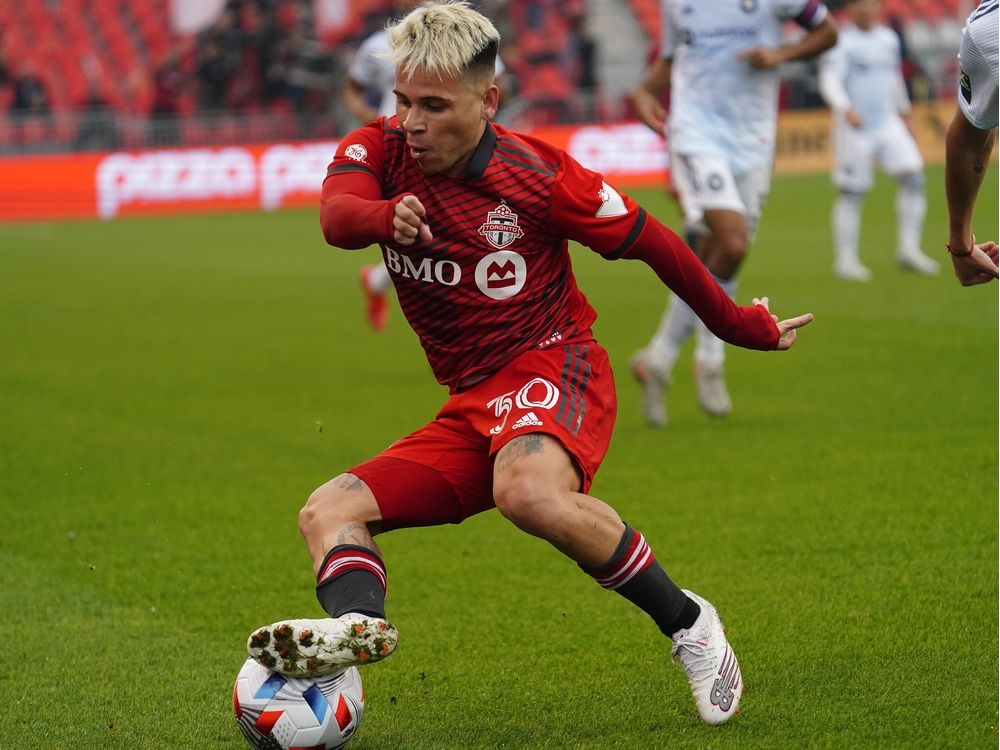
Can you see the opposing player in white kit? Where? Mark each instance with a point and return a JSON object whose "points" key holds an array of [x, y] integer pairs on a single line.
{"points": [[861, 81], [969, 144], [720, 59]]}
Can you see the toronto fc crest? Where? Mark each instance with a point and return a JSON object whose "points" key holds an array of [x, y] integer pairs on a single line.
{"points": [[501, 227]]}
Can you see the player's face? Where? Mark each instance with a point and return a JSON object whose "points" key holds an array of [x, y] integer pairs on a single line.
{"points": [[444, 119], [865, 13]]}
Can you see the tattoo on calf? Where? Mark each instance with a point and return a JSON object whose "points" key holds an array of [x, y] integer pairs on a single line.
{"points": [[357, 534]]}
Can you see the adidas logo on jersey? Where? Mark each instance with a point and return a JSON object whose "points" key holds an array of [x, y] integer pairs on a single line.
{"points": [[527, 420]]}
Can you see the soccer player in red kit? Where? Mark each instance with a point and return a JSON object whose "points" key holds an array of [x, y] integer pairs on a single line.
{"points": [[474, 222]]}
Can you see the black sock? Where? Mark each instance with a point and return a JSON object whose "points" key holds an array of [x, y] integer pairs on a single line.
{"points": [[352, 579], [635, 574]]}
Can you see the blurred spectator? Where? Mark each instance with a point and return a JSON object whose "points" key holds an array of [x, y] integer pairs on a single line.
{"points": [[30, 107], [169, 84], [213, 73], [552, 58], [220, 55], [98, 123], [308, 82], [274, 53], [918, 83], [30, 97]]}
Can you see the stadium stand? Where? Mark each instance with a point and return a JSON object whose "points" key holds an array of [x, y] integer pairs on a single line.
{"points": [[76, 74]]}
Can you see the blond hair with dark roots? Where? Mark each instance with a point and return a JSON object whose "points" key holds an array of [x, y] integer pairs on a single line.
{"points": [[446, 39]]}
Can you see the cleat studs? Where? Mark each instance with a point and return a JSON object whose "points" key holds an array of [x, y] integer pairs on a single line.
{"points": [[283, 632]]}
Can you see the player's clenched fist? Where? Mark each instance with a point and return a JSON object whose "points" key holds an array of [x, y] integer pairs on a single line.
{"points": [[409, 221]]}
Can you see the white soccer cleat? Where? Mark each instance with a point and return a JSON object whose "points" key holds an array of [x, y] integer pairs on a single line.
{"points": [[852, 272], [917, 261], [654, 387], [711, 387], [710, 665], [312, 648]]}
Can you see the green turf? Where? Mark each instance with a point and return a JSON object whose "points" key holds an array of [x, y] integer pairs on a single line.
{"points": [[172, 390]]}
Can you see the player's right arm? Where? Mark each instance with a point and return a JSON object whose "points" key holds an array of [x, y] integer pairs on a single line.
{"points": [[645, 97], [832, 74], [362, 77], [821, 35], [353, 214], [967, 155], [355, 98], [969, 145]]}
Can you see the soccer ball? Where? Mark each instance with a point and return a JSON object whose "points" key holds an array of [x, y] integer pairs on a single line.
{"points": [[277, 712]]}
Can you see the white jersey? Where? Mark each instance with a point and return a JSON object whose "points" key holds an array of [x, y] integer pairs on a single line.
{"points": [[720, 105], [372, 69], [977, 90], [863, 72]]}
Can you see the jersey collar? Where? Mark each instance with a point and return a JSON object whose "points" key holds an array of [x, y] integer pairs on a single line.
{"points": [[482, 155]]}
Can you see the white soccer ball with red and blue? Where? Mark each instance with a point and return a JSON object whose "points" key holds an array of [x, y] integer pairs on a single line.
{"points": [[277, 712]]}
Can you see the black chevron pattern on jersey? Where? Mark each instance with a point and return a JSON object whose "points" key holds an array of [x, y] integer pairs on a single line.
{"points": [[442, 285]]}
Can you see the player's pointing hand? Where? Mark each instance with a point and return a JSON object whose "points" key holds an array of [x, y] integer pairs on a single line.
{"points": [[786, 328]]}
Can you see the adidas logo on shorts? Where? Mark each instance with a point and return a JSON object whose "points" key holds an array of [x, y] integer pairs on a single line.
{"points": [[528, 420]]}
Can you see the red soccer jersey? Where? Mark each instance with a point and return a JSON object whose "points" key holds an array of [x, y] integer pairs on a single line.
{"points": [[496, 280]]}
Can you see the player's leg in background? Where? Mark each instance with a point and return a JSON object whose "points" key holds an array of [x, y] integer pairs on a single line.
{"points": [[375, 285], [725, 247], [740, 226], [900, 157], [702, 183], [845, 219], [652, 365], [852, 175]]}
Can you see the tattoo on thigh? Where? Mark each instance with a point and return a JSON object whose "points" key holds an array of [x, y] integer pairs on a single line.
{"points": [[348, 482], [521, 446]]}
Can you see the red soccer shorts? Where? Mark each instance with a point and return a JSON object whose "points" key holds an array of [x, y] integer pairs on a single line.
{"points": [[443, 472]]}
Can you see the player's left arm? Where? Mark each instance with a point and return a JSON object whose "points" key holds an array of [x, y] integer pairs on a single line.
{"points": [[587, 209], [751, 327]]}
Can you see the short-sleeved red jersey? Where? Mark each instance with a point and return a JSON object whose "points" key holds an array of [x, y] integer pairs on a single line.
{"points": [[496, 280]]}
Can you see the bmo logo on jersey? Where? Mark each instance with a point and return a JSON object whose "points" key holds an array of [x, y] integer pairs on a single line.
{"points": [[501, 275], [498, 275]]}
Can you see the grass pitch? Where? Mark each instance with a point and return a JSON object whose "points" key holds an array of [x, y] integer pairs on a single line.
{"points": [[172, 390]]}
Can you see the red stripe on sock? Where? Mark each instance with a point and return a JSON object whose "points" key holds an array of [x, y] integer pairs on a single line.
{"points": [[636, 558], [352, 559]]}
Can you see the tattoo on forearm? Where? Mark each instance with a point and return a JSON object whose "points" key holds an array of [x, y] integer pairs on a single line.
{"points": [[978, 165]]}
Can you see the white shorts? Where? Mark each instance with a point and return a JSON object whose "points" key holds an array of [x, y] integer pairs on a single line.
{"points": [[857, 152], [707, 183]]}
